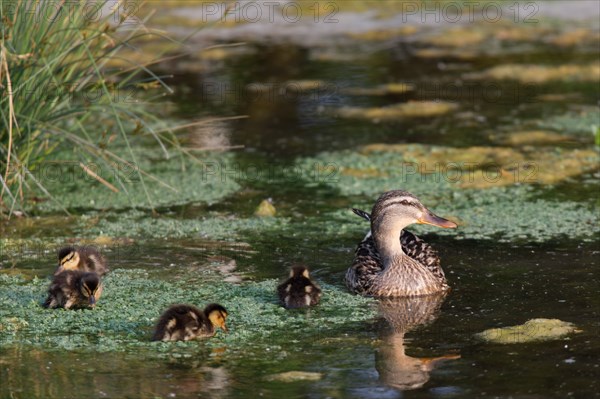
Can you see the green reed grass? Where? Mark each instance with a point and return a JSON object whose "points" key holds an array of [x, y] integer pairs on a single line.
{"points": [[58, 90]]}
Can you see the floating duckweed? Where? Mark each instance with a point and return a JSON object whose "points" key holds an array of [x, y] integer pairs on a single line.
{"points": [[533, 137], [411, 109], [521, 33], [573, 122], [456, 37], [437, 53], [531, 331], [223, 53], [384, 34], [451, 168], [292, 376], [474, 167], [137, 223], [12, 324], [542, 73], [182, 181], [577, 37], [133, 299], [491, 212], [382, 90], [303, 86]]}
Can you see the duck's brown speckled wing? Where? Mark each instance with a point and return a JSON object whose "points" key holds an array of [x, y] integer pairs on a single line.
{"points": [[182, 322], [367, 264], [92, 260], [422, 252]]}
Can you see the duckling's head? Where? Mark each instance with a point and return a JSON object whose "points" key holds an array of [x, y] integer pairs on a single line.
{"points": [[89, 285], [217, 315], [299, 271], [397, 209], [68, 259]]}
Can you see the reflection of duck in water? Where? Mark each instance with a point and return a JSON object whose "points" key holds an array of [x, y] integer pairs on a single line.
{"points": [[392, 262], [395, 368]]}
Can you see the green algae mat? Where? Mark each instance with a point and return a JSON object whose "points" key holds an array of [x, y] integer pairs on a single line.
{"points": [[133, 299], [153, 181], [489, 191]]}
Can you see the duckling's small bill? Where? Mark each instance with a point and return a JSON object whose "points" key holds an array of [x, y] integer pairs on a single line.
{"points": [[74, 289]]}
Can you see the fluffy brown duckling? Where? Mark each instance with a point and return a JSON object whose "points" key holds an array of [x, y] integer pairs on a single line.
{"points": [[299, 290], [187, 322], [87, 259], [74, 288]]}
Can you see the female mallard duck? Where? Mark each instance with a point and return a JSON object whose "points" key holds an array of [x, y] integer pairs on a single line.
{"points": [[299, 290], [187, 322], [392, 262], [87, 259], [74, 288]]}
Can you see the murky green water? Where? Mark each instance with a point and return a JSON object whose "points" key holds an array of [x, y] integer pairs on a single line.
{"points": [[494, 283]]}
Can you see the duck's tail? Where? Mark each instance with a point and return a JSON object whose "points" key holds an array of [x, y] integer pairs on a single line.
{"points": [[362, 214]]}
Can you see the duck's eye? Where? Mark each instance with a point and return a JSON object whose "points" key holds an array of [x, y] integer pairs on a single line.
{"points": [[409, 203], [87, 290], [68, 258]]}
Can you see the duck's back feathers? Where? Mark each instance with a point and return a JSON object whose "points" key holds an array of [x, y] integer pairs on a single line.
{"points": [[186, 322], [367, 262], [181, 323], [93, 260], [84, 258], [73, 288]]}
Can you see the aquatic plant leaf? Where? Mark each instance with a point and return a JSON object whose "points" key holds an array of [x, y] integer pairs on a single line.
{"points": [[531, 331]]}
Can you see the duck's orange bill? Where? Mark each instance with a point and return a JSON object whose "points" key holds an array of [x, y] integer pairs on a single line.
{"points": [[434, 220]]}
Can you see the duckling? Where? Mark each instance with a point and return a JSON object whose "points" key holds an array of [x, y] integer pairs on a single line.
{"points": [[74, 288], [87, 259], [299, 290], [186, 322]]}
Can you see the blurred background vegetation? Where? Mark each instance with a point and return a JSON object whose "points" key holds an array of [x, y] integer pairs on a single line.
{"points": [[61, 91]]}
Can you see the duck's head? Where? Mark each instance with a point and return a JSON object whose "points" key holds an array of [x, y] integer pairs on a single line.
{"points": [[89, 286], [68, 259], [397, 209], [299, 271], [217, 315]]}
